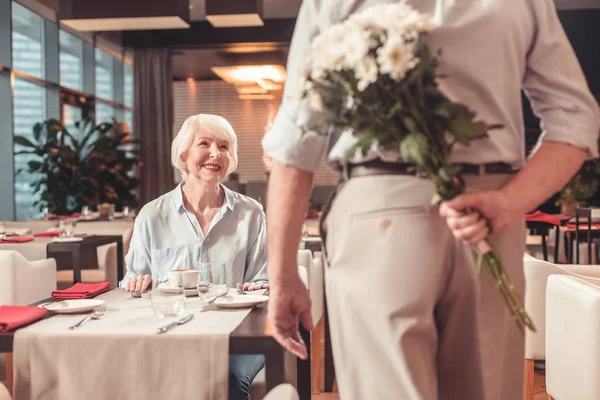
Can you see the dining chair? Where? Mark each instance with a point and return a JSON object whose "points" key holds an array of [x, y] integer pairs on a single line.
{"points": [[572, 331], [536, 278], [284, 391], [587, 214], [24, 282]]}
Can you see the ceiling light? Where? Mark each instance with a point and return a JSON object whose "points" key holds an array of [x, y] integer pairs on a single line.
{"points": [[234, 13], [244, 74], [254, 89], [119, 15]]}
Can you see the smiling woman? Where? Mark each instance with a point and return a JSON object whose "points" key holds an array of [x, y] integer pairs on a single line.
{"points": [[200, 223]]}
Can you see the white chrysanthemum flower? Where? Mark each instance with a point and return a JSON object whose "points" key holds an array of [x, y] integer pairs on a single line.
{"points": [[355, 46], [366, 72], [396, 58]]}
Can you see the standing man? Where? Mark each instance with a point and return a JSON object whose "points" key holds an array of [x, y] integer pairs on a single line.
{"points": [[410, 316]]}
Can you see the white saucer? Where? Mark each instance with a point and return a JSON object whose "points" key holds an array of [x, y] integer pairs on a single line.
{"points": [[74, 306], [243, 301], [66, 239]]}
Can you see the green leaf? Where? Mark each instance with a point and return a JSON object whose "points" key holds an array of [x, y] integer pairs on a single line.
{"points": [[447, 172], [415, 148], [34, 165], [23, 141], [465, 130]]}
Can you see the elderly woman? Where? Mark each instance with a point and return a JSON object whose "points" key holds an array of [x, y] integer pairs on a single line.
{"points": [[201, 220]]}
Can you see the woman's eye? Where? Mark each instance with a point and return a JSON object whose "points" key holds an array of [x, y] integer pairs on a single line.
{"points": [[204, 143], [224, 147]]}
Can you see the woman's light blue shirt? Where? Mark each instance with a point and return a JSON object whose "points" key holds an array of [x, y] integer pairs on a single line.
{"points": [[166, 236]]}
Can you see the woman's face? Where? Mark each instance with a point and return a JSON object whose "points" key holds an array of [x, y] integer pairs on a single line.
{"points": [[208, 158]]}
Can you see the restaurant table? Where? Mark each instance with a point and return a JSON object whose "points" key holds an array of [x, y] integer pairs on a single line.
{"points": [[252, 336], [543, 229], [85, 251]]}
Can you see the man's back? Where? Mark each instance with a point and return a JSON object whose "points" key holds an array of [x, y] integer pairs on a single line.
{"points": [[490, 51]]}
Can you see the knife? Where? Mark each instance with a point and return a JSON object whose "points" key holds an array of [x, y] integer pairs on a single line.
{"points": [[172, 325]]}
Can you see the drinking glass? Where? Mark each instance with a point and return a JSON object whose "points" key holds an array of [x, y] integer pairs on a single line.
{"points": [[167, 299], [213, 281], [68, 227], [126, 211], [85, 211], [2, 230]]}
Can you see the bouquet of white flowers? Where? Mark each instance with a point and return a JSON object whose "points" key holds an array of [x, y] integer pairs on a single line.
{"points": [[374, 74]]}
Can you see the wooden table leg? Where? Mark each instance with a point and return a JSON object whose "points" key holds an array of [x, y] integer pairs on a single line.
{"points": [[529, 380], [9, 372]]}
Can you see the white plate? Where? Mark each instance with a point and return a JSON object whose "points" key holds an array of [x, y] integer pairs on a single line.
{"points": [[237, 301], [74, 306], [66, 239]]}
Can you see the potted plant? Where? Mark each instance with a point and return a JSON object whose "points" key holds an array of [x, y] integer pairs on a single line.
{"points": [[92, 164], [581, 189]]}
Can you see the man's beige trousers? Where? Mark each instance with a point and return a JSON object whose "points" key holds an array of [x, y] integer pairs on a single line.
{"points": [[411, 318]]}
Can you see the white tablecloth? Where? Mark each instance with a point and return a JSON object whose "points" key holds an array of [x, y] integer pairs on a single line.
{"points": [[122, 356]]}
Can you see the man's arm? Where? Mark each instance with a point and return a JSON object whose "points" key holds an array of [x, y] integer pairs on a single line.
{"points": [[548, 170], [287, 202]]}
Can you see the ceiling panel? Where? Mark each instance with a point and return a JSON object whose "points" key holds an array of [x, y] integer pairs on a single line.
{"points": [[272, 9]]}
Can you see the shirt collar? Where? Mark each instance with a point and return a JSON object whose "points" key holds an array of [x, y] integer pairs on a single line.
{"points": [[178, 197]]}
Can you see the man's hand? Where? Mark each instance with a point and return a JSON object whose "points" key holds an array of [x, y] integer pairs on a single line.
{"points": [[491, 208], [289, 302], [252, 286]]}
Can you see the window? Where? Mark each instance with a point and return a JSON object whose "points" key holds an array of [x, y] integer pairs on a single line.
{"points": [[104, 75], [128, 89], [104, 113], [129, 120], [29, 109], [71, 49], [27, 41]]}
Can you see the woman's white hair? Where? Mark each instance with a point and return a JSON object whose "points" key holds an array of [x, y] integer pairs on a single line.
{"points": [[207, 123]]}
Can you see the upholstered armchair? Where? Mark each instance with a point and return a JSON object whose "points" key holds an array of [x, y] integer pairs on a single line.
{"points": [[572, 332], [536, 277], [282, 392], [23, 282]]}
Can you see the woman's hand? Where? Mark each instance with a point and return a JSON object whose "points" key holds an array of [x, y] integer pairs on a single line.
{"points": [[249, 287], [138, 284]]}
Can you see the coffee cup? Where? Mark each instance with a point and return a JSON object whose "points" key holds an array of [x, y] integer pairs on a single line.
{"points": [[189, 278]]}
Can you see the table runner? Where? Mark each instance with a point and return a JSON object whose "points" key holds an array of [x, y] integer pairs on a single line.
{"points": [[122, 357]]}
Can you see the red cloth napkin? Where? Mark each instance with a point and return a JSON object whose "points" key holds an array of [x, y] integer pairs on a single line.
{"points": [[17, 239], [82, 291], [52, 233], [539, 216], [12, 317]]}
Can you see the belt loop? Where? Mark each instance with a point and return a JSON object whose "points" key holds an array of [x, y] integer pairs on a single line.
{"points": [[481, 170]]}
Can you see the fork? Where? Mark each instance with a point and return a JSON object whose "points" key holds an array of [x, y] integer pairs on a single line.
{"points": [[97, 314]]}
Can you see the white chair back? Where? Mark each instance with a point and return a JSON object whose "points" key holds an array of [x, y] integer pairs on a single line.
{"points": [[24, 282], [572, 332], [536, 277]]}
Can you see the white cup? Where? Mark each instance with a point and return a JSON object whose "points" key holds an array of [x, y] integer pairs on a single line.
{"points": [[189, 279], [174, 279]]}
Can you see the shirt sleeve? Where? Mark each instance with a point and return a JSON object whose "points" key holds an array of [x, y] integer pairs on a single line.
{"points": [[292, 139], [256, 259], [556, 86], [138, 259]]}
